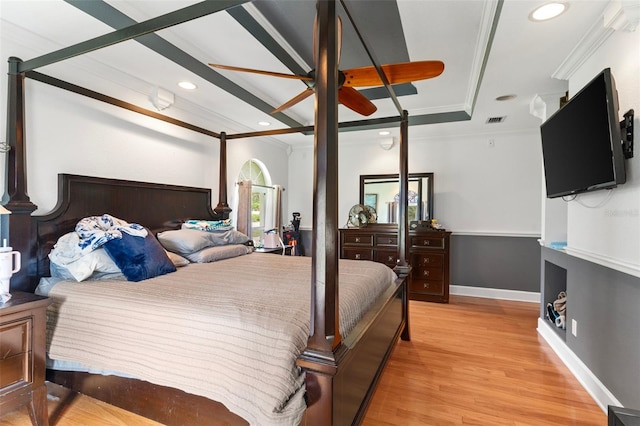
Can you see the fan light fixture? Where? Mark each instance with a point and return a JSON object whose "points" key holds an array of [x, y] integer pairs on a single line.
{"points": [[548, 11]]}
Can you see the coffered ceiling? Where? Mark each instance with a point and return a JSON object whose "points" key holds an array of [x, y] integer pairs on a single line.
{"points": [[490, 48]]}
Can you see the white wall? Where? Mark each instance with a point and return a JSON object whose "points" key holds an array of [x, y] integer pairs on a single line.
{"points": [[479, 189], [603, 227], [69, 133]]}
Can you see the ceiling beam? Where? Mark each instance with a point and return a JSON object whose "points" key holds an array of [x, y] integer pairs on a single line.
{"points": [[186, 14], [374, 60], [249, 23], [121, 22]]}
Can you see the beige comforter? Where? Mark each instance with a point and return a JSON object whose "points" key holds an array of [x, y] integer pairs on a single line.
{"points": [[230, 330]]}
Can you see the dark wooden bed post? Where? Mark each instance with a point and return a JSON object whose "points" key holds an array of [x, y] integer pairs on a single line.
{"points": [[223, 208], [321, 357], [404, 188], [403, 269], [18, 203]]}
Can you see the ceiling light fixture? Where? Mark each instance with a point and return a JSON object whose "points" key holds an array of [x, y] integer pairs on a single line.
{"points": [[548, 11], [384, 133], [264, 123], [187, 85]]}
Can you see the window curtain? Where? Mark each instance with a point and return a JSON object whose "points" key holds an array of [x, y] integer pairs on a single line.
{"points": [[277, 208], [244, 207]]}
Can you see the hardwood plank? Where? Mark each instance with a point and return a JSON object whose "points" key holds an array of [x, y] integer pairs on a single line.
{"points": [[478, 362], [470, 362], [67, 408]]}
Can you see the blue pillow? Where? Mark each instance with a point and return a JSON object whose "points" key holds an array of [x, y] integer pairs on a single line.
{"points": [[139, 258]]}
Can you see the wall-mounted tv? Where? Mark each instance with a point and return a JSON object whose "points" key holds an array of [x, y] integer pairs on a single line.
{"points": [[581, 142]]}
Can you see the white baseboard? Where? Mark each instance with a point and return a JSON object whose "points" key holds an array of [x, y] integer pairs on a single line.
{"points": [[495, 293], [587, 379]]}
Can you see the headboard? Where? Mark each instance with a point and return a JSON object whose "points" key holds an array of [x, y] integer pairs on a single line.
{"points": [[156, 206]]}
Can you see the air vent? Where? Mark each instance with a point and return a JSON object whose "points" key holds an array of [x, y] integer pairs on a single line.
{"points": [[494, 120]]}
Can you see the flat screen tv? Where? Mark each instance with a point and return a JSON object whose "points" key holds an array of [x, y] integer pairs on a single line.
{"points": [[581, 142]]}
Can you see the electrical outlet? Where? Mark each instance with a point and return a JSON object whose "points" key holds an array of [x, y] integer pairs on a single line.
{"points": [[574, 327]]}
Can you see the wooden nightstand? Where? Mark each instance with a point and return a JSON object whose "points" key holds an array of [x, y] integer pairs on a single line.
{"points": [[22, 355]]}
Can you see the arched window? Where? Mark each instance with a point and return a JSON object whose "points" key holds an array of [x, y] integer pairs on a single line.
{"points": [[261, 196], [253, 170]]}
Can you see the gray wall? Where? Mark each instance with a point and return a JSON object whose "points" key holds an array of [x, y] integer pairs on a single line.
{"points": [[604, 302], [507, 263]]}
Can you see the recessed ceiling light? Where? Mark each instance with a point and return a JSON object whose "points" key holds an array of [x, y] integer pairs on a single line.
{"points": [[384, 133], [548, 11], [506, 97], [264, 123], [187, 85]]}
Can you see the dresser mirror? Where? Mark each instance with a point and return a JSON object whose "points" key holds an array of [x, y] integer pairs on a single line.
{"points": [[382, 193]]}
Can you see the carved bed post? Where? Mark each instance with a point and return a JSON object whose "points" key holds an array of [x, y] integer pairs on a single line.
{"points": [[19, 203], [223, 208], [324, 347]]}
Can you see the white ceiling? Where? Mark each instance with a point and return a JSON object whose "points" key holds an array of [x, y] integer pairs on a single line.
{"points": [[521, 58]]}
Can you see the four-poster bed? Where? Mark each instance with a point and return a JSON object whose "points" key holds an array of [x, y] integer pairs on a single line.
{"points": [[340, 371]]}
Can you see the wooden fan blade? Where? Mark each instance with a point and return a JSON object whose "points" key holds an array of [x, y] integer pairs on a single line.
{"points": [[271, 73], [352, 99], [299, 97], [403, 72]]}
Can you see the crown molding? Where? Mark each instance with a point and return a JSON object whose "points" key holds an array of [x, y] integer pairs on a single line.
{"points": [[620, 15]]}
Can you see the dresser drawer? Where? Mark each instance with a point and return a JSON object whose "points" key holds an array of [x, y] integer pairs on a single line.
{"points": [[357, 239], [427, 260], [428, 273], [428, 241], [386, 240], [427, 287], [14, 338], [388, 257], [357, 253]]}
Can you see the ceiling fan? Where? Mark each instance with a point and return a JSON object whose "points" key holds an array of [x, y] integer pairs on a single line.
{"points": [[403, 72]]}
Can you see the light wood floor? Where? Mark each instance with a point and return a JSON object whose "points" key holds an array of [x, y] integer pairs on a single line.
{"points": [[470, 362]]}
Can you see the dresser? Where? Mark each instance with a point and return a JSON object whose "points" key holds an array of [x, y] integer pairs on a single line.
{"points": [[22, 355], [428, 255]]}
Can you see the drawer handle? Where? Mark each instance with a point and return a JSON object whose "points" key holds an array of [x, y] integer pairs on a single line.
{"points": [[390, 259], [357, 256], [427, 243], [426, 260], [426, 285], [426, 273], [357, 239]]}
